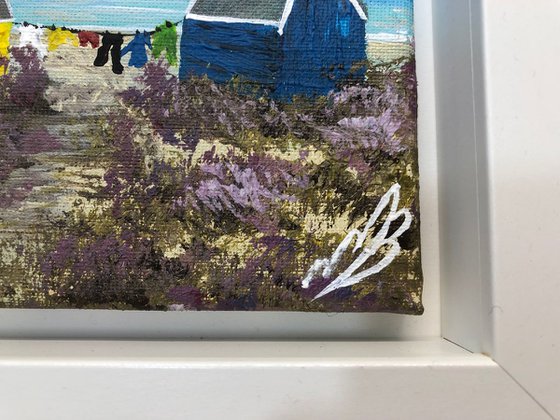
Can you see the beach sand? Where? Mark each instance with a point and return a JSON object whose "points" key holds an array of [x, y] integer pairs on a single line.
{"points": [[383, 52], [78, 87]]}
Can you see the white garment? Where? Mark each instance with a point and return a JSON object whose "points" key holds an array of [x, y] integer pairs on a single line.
{"points": [[29, 35]]}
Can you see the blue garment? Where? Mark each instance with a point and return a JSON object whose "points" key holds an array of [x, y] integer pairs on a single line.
{"points": [[137, 48]]}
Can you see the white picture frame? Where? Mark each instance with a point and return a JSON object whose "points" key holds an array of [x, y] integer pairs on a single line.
{"points": [[493, 353]]}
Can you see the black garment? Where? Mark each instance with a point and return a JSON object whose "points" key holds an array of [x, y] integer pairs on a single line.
{"points": [[113, 43]]}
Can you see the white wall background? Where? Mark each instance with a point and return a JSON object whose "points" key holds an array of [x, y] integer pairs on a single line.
{"points": [[522, 55]]}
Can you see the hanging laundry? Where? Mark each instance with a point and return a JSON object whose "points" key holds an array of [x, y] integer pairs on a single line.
{"points": [[137, 48], [165, 39], [110, 43], [5, 30], [60, 36], [87, 37], [30, 35]]}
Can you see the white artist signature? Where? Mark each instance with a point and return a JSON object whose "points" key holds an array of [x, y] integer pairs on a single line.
{"points": [[349, 277]]}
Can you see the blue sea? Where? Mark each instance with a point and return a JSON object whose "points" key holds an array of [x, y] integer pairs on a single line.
{"points": [[389, 20]]}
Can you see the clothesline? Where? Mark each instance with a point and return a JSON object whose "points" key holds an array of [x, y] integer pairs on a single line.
{"points": [[107, 43], [77, 31]]}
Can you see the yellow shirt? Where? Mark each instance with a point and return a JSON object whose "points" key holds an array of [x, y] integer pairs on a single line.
{"points": [[5, 29], [60, 37]]}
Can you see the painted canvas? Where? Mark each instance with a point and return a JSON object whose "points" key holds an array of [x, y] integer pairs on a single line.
{"points": [[211, 155]]}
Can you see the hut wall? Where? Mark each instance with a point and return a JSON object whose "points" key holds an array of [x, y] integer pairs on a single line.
{"points": [[324, 42], [223, 50]]}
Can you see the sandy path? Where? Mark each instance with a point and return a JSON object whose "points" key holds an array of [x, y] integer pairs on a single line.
{"points": [[80, 88], [80, 94], [52, 181]]}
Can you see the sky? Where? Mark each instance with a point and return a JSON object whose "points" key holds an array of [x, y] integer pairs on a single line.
{"points": [[388, 19]]}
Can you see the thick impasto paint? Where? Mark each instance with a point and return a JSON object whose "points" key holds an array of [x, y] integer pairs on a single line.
{"points": [[209, 155]]}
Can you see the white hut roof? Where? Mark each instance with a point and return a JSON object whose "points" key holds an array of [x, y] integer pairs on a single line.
{"points": [[6, 14], [241, 9]]}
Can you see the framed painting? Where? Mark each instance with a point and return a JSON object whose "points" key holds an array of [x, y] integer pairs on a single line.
{"points": [[484, 307]]}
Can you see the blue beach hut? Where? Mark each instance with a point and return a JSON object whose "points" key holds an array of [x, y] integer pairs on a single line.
{"points": [[289, 47]]}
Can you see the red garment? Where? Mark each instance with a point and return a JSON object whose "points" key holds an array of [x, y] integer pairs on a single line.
{"points": [[86, 37]]}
